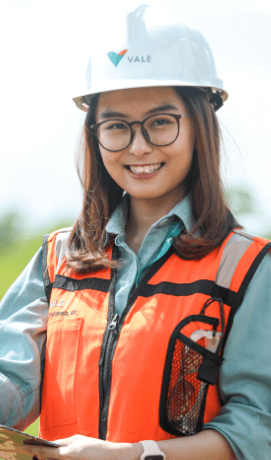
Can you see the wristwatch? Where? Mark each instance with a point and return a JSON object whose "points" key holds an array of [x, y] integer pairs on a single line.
{"points": [[151, 451]]}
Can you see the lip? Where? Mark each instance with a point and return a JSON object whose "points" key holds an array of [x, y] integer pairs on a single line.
{"points": [[144, 164]]}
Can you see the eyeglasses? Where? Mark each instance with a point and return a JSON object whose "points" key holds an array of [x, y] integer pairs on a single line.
{"points": [[115, 135]]}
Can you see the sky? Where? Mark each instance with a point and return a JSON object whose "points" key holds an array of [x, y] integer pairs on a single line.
{"points": [[45, 48]]}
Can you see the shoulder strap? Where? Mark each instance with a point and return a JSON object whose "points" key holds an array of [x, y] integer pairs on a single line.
{"points": [[58, 240], [233, 252], [46, 280]]}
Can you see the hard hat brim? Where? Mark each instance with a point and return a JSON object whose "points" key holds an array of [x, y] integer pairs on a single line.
{"points": [[115, 85]]}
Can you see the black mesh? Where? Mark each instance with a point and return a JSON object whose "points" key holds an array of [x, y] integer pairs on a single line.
{"points": [[189, 369], [185, 392]]}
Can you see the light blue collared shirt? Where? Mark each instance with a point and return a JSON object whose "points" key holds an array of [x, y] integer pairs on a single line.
{"points": [[156, 243], [245, 376]]}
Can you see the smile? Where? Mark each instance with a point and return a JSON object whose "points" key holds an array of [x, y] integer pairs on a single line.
{"points": [[144, 169]]}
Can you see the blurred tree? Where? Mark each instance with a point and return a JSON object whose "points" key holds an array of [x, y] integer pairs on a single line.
{"points": [[9, 231], [246, 209], [240, 200]]}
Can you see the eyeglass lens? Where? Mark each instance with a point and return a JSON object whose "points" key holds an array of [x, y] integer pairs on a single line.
{"points": [[158, 130]]}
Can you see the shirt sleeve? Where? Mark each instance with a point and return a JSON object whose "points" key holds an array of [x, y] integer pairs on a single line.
{"points": [[23, 325], [245, 377]]}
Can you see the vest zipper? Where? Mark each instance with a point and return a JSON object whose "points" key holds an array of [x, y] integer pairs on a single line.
{"points": [[112, 326], [110, 340], [105, 364], [111, 337]]}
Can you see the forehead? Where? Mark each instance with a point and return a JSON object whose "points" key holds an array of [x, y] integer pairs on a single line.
{"points": [[137, 101]]}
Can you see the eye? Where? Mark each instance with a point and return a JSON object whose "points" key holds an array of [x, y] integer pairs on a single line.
{"points": [[162, 121], [115, 126]]}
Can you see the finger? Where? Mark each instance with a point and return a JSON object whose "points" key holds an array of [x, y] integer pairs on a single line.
{"points": [[63, 442], [44, 452]]}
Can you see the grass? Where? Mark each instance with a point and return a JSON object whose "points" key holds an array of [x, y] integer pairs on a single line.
{"points": [[15, 258], [34, 428]]}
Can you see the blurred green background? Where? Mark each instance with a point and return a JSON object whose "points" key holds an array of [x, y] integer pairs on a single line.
{"points": [[17, 246]]}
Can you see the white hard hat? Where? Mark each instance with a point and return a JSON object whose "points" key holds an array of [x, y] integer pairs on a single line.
{"points": [[159, 49]]}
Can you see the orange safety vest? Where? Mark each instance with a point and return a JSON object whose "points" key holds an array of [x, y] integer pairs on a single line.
{"points": [[103, 372]]}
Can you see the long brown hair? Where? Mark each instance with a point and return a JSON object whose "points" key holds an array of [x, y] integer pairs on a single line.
{"points": [[88, 241]]}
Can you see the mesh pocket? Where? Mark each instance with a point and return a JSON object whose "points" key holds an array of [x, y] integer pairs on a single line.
{"points": [[185, 392], [189, 369]]}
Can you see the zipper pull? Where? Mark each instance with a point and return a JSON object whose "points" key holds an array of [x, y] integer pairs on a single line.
{"points": [[113, 323], [111, 327]]}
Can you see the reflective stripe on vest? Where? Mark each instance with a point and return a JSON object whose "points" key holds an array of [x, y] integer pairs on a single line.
{"points": [[103, 373]]}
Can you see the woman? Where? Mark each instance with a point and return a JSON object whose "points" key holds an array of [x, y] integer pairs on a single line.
{"points": [[158, 301]]}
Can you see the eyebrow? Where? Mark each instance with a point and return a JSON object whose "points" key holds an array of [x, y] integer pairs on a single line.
{"points": [[114, 114]]}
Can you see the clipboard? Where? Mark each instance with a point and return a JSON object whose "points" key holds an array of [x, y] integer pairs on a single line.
{"points": [[12, 441]]}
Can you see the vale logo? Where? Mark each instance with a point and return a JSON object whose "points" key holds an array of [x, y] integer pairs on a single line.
{"points": [[116, 58]]}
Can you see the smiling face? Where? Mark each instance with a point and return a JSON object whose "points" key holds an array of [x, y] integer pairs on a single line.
{"points": [[143, 170]]}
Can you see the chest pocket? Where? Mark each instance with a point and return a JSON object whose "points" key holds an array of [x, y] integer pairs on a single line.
{"points": [[190, 368], [58, 405]]}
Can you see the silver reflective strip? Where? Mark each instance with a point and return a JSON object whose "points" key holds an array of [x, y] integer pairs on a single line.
{"points": [[234, 250], [246, 234], [60, 246]]}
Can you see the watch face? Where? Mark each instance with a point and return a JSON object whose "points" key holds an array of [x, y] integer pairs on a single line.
{"points": [[154, 457]]}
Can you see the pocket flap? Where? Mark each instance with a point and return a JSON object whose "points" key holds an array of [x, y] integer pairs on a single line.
{"points": [[209, 369]]}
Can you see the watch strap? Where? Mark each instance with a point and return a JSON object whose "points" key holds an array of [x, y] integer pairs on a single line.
{"points": [[151, 449]]}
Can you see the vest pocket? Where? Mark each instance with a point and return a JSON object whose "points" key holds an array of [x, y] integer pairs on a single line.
{"points": [[58, 402], [189, 370]]}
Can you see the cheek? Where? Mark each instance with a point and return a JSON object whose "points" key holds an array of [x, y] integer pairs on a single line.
{"points": [[181, 157], [108, 159], [111, 164], [180, 166]]}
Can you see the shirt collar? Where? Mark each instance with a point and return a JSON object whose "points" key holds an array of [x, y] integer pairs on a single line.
{"points": [[118, 220], [182, 211]]}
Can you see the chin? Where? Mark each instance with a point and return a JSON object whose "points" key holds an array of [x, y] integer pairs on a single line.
{"points": [[146, 195]]}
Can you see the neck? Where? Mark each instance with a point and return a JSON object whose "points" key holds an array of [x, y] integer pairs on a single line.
{"points": [[144, 213]]}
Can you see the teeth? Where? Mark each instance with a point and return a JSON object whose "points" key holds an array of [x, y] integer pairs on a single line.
{"points": [[145, 169]]}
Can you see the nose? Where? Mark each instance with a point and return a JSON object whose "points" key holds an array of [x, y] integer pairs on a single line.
{"points": [[139, 145]]}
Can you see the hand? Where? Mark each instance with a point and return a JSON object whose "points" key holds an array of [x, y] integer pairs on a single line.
{"points": [[79, 448]]}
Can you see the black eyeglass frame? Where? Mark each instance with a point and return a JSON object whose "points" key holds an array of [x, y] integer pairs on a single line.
{"points": [[94, 128]]}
